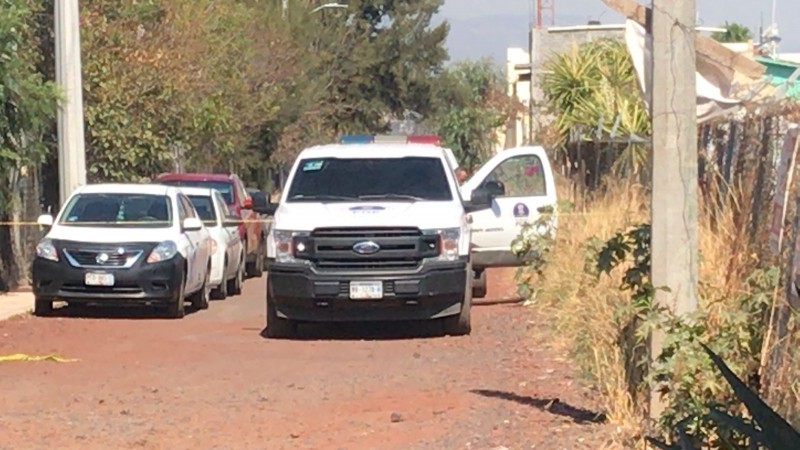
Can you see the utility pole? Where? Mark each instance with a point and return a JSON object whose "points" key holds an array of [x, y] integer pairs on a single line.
{"points": [[675, 190], [71, 145]]}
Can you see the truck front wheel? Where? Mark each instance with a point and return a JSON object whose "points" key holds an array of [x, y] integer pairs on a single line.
{"points": [[278, 327], [461, 324]]}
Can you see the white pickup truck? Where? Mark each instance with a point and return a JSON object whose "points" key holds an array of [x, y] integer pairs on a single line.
{"points": [[377, 232]]}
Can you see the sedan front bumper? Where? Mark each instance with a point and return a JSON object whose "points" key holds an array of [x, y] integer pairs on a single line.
{"points": [[141, 283]]}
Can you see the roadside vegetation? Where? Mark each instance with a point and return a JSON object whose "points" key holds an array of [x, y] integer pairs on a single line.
{"points": [[594, 281]]}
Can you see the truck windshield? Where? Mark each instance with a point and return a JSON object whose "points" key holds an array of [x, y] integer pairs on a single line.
{"points": [[357, 179], [118, 210]]}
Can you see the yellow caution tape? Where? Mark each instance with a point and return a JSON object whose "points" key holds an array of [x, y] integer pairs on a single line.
{"points": [[263, 221], [34, 224], [24, 357]]}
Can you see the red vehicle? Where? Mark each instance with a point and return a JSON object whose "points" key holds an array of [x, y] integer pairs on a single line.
{"points": [[239, 204]]}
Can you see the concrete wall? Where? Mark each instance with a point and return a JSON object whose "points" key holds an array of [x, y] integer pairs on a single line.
{"points": [[518, 77], [546, 42]]}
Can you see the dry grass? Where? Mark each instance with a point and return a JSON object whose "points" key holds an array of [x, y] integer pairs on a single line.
{"points": [[582, 308], [586, 311]]}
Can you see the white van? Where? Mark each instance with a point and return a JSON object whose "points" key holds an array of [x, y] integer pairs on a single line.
{"points": [[374, 232]]}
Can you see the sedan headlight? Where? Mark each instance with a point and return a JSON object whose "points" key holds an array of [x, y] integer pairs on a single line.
{"points": [[46, 250], [449, 241], [291, 246], [163, 252]]}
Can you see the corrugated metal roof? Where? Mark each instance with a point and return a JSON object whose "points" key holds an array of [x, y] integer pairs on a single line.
{"points": [[779, 72]]}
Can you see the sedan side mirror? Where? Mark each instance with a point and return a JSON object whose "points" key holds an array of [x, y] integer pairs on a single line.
{"points": [[260, 200], [481, 199], [192, 224], [45, 220]]}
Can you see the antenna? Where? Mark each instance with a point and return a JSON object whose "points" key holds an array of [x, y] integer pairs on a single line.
{"points": [[774, 8], [530, 13], [544, 7]]}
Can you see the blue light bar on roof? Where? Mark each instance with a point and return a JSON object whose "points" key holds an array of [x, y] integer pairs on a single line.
{"points": [[357, 139]]}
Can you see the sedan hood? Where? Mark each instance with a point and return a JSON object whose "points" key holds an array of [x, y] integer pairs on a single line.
{"points": [[108, 235]]}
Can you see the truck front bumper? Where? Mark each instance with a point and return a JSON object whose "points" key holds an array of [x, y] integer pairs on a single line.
{"points": [[432, 290]]}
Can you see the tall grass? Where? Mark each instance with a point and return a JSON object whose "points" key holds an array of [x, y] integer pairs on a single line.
{"points": [[591, 316], [583, 308]]}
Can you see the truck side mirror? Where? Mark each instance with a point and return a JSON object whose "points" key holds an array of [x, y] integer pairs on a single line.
{"points": [[481, 199]]}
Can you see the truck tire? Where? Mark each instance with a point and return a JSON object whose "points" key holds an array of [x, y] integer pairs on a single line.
{"points": [[479, 285], [42, 307], [461, 324], [278, 327], [255, 269], [235, 285]]}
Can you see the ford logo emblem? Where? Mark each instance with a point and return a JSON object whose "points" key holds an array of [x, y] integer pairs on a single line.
{"points": [[366, 248]]}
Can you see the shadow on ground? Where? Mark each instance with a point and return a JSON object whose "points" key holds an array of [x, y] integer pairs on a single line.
{"points": [[367, 331], [124, 312], [550, 405]]}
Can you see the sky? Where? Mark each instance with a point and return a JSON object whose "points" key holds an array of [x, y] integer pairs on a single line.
{"points": [[485, 28]]}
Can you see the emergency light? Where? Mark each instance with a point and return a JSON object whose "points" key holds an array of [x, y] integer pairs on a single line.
{"points": [[357, 139], [389, 139]]}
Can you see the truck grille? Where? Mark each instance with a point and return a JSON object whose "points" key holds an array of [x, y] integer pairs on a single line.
{"points": [[399, 248], [107, 258]]}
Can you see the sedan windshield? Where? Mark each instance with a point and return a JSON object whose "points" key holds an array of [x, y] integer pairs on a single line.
{"points": [[373, 179], [118, 210]]}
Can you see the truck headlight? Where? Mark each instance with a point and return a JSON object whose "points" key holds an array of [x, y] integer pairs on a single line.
{"points": [[46, 250], [449, 241], [163, 252], [291, 246]]}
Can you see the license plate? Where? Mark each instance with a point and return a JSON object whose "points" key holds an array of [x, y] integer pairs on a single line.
{"points": [[366, 290], [99, 279]]}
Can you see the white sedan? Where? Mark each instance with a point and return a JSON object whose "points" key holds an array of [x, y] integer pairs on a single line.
{"points": [[227, 249], [124, 243]]}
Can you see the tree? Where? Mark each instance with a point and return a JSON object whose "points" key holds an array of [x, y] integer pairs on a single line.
{"points": [[734, 33], [181, 80], [26, 99], [27, 108], [378, 58], [471, 104]]}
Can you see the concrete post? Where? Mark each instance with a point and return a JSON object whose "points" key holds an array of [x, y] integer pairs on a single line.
{"points": [[71, 146], [675, 190]]}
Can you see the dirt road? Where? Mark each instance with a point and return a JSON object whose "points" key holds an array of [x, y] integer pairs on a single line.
{"points": [[211, 381]]}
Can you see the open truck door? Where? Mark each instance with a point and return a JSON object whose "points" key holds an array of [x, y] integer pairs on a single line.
{"points": [[520, 182]]}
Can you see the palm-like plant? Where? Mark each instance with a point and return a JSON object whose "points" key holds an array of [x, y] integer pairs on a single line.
{"points": [[734, 32], [595, 85]]}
